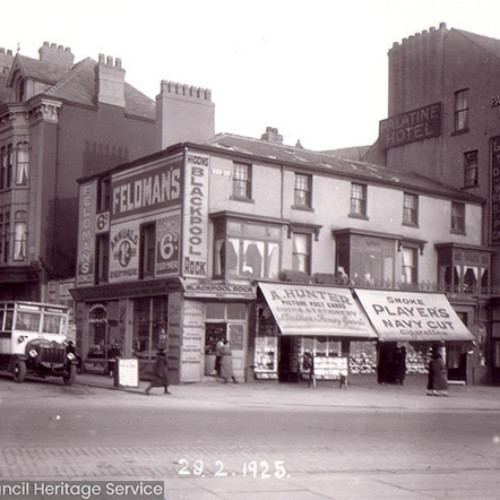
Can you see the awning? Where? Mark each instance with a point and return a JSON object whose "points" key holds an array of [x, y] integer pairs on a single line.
{"points": [[316, 310], [412, 317]]}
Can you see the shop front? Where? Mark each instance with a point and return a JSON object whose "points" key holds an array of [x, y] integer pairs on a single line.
{"points": [[297, 322], [417, 322]]}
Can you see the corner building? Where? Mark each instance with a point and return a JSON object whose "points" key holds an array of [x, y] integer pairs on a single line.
{"points": [[277, 248], [444, 122]]}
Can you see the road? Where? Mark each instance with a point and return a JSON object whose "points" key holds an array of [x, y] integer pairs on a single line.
{"points": [[49, 431]]}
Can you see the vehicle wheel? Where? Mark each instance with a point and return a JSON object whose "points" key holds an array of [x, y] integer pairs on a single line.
{"points": [[69, 375], [19, 371]]}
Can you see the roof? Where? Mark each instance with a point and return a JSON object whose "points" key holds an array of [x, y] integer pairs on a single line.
{"points": [[75, 84], [491, 45], [330, 163]]}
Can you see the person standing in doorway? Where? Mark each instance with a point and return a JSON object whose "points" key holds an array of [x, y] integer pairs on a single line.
{"points": [[160, 375], [226, 371], [218, 355]]}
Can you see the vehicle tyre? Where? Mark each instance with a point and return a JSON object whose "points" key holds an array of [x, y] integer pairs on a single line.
{"points": [[19, 371], [69, 375]]}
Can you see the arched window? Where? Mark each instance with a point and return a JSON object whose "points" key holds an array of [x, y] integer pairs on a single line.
{"points": [[22, 166]]}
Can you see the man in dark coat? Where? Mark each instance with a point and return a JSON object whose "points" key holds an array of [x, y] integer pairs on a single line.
{"points": [[160, 375]]}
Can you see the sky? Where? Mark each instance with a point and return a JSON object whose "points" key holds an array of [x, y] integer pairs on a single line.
{"points": [[316, 70]]}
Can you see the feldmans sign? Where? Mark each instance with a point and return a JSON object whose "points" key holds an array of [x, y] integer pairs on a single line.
{"points": [[412, 317], [412, 126]]}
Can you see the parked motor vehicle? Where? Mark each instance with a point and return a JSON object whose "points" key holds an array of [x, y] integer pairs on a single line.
{"points": [[33, 341]]}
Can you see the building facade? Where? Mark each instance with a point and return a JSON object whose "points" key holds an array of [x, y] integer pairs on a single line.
{"points": [[267, 245], [61, 120], [444, 122]]}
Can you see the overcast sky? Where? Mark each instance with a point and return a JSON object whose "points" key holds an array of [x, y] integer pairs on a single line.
{"points": [[314, 69]]}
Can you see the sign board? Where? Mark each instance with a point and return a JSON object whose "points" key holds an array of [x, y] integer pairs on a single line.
{"points": [[316, 310], [412, 317], [195, 216], [416, 125], [124, 254], [168, 235], [87, 200], [128, 372], [495, 190]]}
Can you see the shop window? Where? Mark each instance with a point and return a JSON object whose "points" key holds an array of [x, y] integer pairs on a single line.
{"points": [[150, 326], [409, 265], [245, 255], [242, 181], [102, 258], [461, 111], [471, 168], [358, 200], [20, 238], [147, 251], [301, 256], [457, 218], [22, 164], [410, 209], [302, 191]]}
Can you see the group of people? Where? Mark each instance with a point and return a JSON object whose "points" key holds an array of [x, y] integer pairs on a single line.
{"points": [[392, 365]]}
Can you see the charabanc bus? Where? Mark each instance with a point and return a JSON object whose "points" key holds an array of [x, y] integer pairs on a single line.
{"points": [[33, 341]]}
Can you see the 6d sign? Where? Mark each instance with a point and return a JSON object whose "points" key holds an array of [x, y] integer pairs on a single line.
{"points": [[167, 249]]}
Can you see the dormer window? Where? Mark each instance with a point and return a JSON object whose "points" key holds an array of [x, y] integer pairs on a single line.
{"points": [[20, 88]]}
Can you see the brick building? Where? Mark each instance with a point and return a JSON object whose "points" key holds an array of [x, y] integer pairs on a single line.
{"points": [[276, 248]]}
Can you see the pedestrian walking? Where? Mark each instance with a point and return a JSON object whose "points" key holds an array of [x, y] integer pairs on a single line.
{"points": [[308, 367], [226, 370], [113, 353], [437, 384], [160, 375], [400, 365]]}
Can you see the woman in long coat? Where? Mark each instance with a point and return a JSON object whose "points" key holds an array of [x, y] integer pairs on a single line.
{"points": [[226, 368], [160, 375], [437, 382]]}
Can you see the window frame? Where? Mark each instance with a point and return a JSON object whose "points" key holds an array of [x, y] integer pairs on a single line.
{"points": [[413, 266], [410, 212], [147, 250], [461, 111], [457, 222], [102, 258], [358, 205], [242, 181], [22, 167], [298, 257], [471, 164], [302, 191]]}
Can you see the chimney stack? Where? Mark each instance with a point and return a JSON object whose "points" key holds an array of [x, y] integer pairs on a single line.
{"points": [[56, 54], [184, 113], [6, 60], [271, 135], [110, 81]]}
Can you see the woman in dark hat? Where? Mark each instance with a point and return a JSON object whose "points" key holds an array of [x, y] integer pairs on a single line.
{"points": [[438, 381], [160, 376]]}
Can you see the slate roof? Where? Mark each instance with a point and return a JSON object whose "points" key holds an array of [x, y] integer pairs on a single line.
{"points": [[491, 45], [75, 84], [327, 162]]}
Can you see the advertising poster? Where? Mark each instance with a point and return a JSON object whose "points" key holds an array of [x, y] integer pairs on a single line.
{"points": [[86, 234], [495, 190], [412, 317], [195, 216], [193, 329], [315, 310], [143, 191], [124, 252], [168, 236]]}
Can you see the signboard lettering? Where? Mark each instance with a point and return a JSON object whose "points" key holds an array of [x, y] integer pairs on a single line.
{"points": [[86, 233], [148, 190], [195, 219], [167, 241], [412, 126], [495, 190], [124, 257]]}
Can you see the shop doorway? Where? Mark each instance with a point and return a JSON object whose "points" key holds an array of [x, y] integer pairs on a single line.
{"points": [[213, 333]]}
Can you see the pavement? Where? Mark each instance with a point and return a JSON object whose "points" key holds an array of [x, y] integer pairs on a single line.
{"points": [[363, 391]]}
